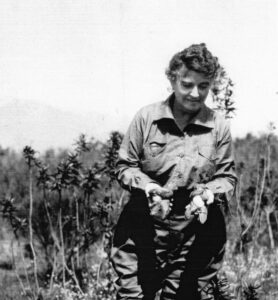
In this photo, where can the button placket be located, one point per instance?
(181, 155)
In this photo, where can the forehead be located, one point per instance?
(184, 74)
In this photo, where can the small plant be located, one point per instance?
(222, 289)
(68, 203)
(222, 92)
(250, 292)
(72, 206)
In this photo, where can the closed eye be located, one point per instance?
(203, 86)
(187, 85)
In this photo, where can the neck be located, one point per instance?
(180, 114)
(181, 117)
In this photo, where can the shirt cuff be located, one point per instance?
(217, 188)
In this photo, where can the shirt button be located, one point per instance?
(180, 175)
(181, 155)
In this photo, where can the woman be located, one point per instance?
(176, 160)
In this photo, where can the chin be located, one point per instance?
(191, 110)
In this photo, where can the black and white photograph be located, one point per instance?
(138, 150)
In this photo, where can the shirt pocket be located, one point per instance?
(206, 162)
(153, 161)
(154, 147)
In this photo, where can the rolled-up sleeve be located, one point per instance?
(128, 170)
(224, 179)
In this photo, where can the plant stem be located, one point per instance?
(62, 239)
(16, 270)
(52, 274)
(258, 197)
(77, 229)
(270, 232)
(24, 266)
(31, 228)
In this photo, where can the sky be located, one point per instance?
(110, 56)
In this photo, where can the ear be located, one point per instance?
(172, 82)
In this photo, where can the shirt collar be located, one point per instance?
(164, 110)
(205, 117)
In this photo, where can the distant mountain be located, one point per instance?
(42, 126)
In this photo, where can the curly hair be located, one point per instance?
(196, 58)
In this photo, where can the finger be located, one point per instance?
(155, 210)
(151, 188)
(203, 214)
(198, 201)
(199, 189)
(165, 193)
(209, 196)
(152, 205)
(171, 203)
(153, 191)
(188, 212)
(195, 193)
(165, 208)
(193, 208)
(156, 198)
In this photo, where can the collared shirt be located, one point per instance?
(154, 149)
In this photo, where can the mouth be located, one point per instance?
(193, 100)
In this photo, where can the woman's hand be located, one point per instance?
(155, 189)
(205, 193)
(159, 207)
(201, 198)
(160, 200)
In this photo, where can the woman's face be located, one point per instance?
(191, 90)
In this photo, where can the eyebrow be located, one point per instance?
(189, 81)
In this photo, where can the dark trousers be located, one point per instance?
(180, 257)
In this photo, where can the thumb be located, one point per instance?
(165, 193)
(209, 196)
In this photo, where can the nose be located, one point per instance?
(194, 92)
